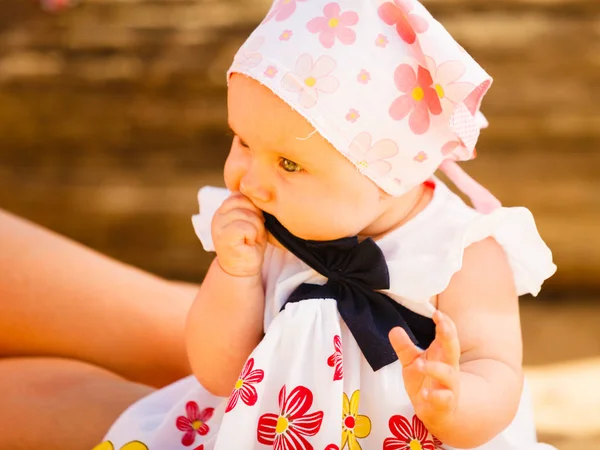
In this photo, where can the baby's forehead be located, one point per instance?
(259, 116)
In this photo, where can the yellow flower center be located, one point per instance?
(418, 93)
(334, 22)
(310, 81)
(440, 91)
(282, 425)
(362, 164)
(196, 424)
(415, 445)
(239, 383)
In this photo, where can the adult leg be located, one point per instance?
(58, 404)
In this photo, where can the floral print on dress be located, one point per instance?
(334, 24)
(445, 78)
(336, 360)
(421, 157)
(311, 78)
(249, 57)
(287, 430)
(438, 444)
(371, 158)
(133, 445)
(282, 10)
(408, 24)
(244, 388)
(354, 425)
(193, 423)
(420, 98)
(408, 436)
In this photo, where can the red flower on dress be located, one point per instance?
(335, 360)
(243, 387)
(419, 100)
(407, 436)
(194, 422)
(438, 444)
(200, 447)
(286, 430)
(408, 25)
(332, 447)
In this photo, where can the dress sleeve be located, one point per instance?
(210, 198)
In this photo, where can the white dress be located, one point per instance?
(307, 385)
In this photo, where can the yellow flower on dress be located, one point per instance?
(133, 445)
(354, 426)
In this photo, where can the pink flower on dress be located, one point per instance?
(353, 115)
(310, 79)
(335, 360)
(286, 35)
(408, 25)
(286, 430)
(282, 10)
(334, 24)
(193, 423)
(407, 436)
(248, 57)
(271, 71)
(243, 387)
(445, 78)
(419, 100)
(421, 157)
(363, 77)
(381, 41)
(371, 159)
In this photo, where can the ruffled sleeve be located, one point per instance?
(422, 266)
(210, 199)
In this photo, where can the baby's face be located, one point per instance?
(303, 181)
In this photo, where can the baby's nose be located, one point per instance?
(254, 187)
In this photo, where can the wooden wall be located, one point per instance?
(113, 114)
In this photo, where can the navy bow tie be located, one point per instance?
(355, 271)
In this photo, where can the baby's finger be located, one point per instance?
(446, 334)
(238, 200)
(222, 219)
(242, 232)
(405, 349)
(443, 373)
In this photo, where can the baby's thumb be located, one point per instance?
(405, 349)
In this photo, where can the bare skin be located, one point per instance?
(466, 387)
(64, 310)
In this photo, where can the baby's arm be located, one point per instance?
(471, 377)
(226, 320)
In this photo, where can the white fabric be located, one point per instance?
(299, 349)
(382, 81)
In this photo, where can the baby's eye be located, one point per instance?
(289, 165)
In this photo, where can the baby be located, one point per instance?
(355, 301)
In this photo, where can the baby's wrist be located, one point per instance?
(239, 273)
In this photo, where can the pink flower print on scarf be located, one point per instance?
(408, 25)
(419, 100)
(353, 115)
(334, 24)
(249, 57)
(286, 430)
(381, 41)
(445, 78)
(371, 159)
(310, 79)
(282, 10)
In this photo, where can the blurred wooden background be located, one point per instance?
(113, 114)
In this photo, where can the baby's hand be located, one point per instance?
(431, 377)
(239, 236)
